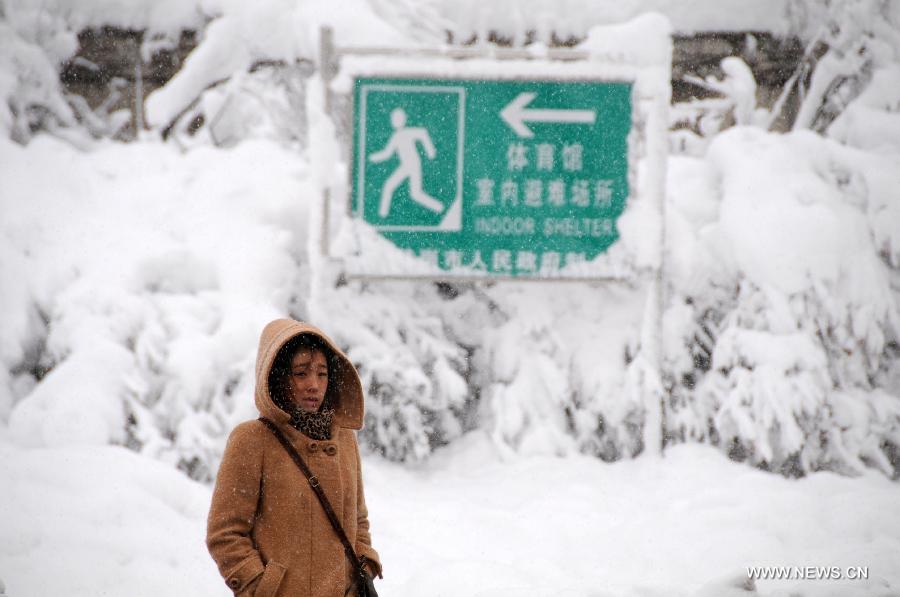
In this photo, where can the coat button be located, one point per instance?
(313, 447)
(234, 583)
(330, 450)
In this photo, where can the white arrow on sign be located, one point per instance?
(515, 114)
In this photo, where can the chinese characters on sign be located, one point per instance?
(511, 178)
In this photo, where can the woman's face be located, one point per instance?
(308, 379)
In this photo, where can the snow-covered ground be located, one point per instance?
(134, 279)
(89, 521)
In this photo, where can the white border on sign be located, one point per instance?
(361, 257)
(452, 221)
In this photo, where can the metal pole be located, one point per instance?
(661, 113)
(661, 286)
(138, 93)
(327, 71)
(327, 64)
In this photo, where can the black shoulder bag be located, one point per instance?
(365, 586)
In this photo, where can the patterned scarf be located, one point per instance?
(314, 425)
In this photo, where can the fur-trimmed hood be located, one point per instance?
(348, 410)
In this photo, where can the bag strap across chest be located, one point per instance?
(355, 562)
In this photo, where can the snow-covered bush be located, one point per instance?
(697, 121)
(848, 41)
(242, 36)
(264, 103)
(38, 38)
(783, 330)
(415, 370)
(787, 320)
(33, 42)
(140, 279)
(872, 122)
(555, 371)
(535, 367)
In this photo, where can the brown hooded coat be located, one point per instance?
(264, 520)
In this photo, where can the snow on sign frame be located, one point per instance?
(460, 165)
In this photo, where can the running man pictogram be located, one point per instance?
(403, 143)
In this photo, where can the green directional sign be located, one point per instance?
(507, 177)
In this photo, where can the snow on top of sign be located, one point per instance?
(642, 41)
(639, 50)
(474, 68)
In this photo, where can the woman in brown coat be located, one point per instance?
(267, 530)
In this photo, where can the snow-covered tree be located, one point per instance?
(415, 370)
(781, 332)
(33, 42)
(848, 40)
(783, 347)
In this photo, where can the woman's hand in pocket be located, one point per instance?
(250, 589)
